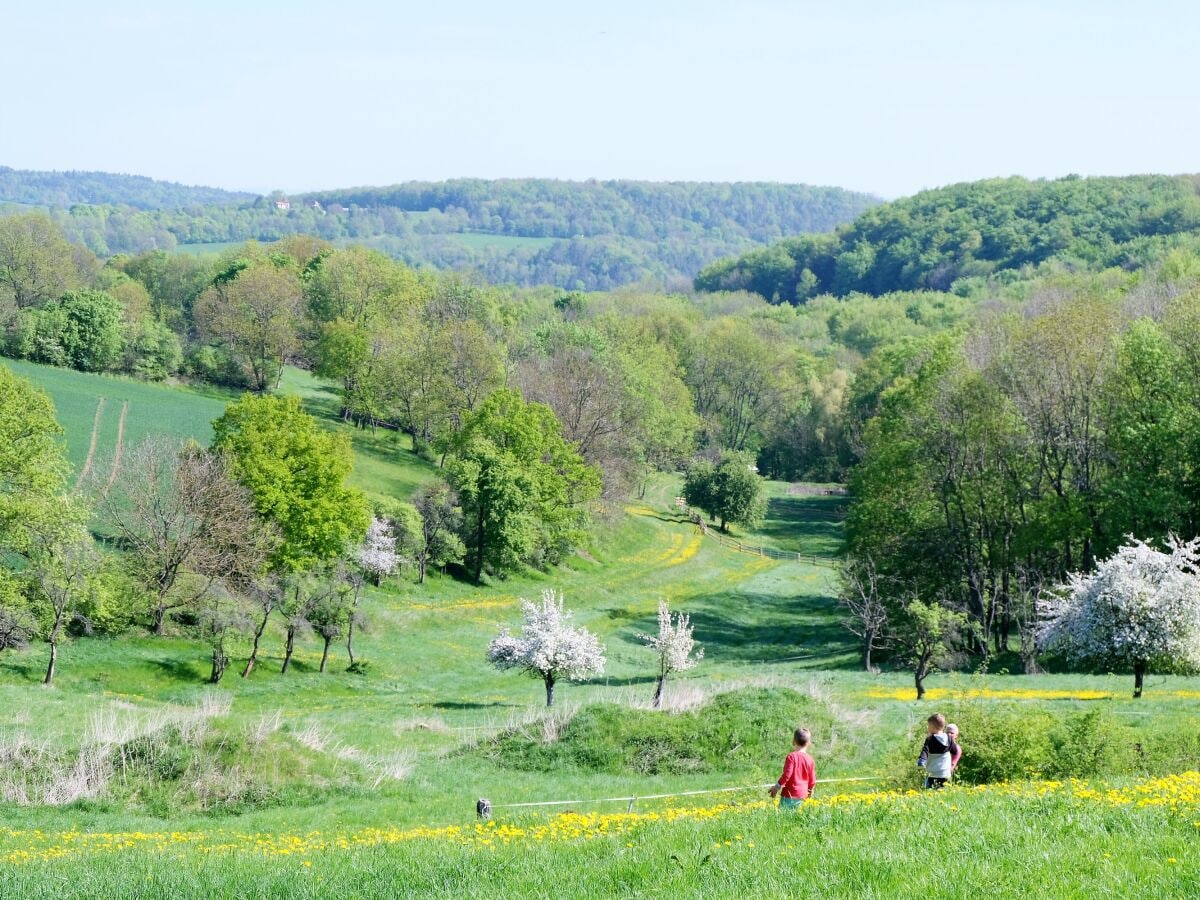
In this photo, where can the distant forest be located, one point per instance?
(955, 237)
(592, 235)
(65, 189)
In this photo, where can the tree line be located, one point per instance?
(596, 235)
(1032, 446)
(953, 238)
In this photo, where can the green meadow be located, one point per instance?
(131, 776)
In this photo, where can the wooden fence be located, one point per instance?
(759, 549)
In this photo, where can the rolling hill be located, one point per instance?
(975, 230)
(592, 235)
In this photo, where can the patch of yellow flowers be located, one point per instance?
(1177, 793)
(1014, 694)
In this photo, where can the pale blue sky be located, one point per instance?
(877, 96)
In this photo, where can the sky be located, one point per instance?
(885, 97)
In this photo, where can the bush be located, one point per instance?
(740, 730)
(115, 602)
(1016, 743)
(1001, 742)
(1165, 750)
(215, 366)
(1090, 744)
(153, 351)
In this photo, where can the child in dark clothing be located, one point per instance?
(937, 753)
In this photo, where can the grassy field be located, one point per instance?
(316, 784)
(503, 243)
(98, 413)
(1009, 843)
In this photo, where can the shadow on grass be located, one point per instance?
(469, 704)
(805, 524)
(735, 626)
(29, 671)
(184, 670)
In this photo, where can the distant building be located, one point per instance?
(283, 203)
(336, 208)
(314, 204)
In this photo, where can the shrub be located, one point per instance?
(1090, 744)
(742, 730)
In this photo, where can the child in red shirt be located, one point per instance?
(799, 773)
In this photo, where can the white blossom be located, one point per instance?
(377, 555)
(673, 644)
(1140, 608)
(548, 647)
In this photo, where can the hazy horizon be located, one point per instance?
(865, 96)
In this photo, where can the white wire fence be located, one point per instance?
(484, 807)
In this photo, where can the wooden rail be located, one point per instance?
(761, 550)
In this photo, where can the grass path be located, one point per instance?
(91, 453)
(120, 445)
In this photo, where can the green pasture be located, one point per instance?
(501, 243)
(933, 845)
(149, 409)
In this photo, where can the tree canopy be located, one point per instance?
(968, 231)
(522, 486)
(295, 472)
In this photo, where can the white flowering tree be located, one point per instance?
(1140, 609)
(548, 647)
(377, 555)
(674, 645)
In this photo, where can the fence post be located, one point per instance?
(632, 800)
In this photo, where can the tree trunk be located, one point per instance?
(262, 626)
(160, 619)
(49, 679)
(549, 691)
(220, 662)
(350, 640)
(325, 653)
(868, 642)
(919, 673)
(1139, 678)
(422, 561)
(291, 646)
(658, 692)
(1005, 612)
(479, 541)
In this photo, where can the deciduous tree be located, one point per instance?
(256, 316)
(1139, 609)
(522, 486)
(673, 645)
(730, 491)
(548, 646)
(296, 473)
(185, 524)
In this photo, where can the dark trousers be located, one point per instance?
(936, 784)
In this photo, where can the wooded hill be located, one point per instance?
(66, 189)
(591, 235)
(940, 238)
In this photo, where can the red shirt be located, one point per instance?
(799, 775)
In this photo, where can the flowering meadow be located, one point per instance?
(1061, 839)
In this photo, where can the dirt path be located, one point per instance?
(87, 463)
(116, 463)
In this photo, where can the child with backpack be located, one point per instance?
(937, 753)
